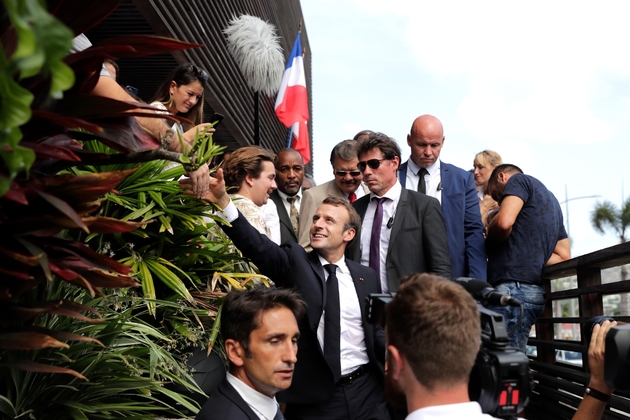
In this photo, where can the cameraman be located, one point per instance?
(595, 399)
(433, 336)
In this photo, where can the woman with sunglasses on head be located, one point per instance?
(181, 94)
(484, 164)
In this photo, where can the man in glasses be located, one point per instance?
(403, 231)
(347, 185)
(455, 190)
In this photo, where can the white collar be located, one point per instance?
(431, 169)
(259, 403)
(341, 264)
(393, 193)
(284, 196)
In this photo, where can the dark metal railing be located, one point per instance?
(560, 385)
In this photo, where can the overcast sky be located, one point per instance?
(546, 84)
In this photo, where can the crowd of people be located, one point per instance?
(379, 225)
(375, 224)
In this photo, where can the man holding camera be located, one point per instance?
(433, 378)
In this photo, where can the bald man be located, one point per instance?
(454, 188)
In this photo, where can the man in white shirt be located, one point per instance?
(455, 190)
(403, 231)
(260, 331)
(339, 373)
(433, 336)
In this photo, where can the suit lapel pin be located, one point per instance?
(361, 278)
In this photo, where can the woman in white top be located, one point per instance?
(181, 94)
(250, 175)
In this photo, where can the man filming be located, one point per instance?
(433, 336)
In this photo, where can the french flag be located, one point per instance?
(292, 102)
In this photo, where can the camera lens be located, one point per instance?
(587, 329)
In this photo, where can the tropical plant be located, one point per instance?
(40, 123)
(173, 245)
(607, 216)
(118, 368)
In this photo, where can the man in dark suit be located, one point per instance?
(454, 188)
(339, 370)
(403, 231)
(260, 332)
(288, 196)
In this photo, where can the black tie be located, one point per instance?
(278, 415)
(422, 185)
(332, 329)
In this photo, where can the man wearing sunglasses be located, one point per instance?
(403, 231)
(347, 185)
(454, 188)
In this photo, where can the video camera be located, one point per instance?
(500, 380)
(617, 354)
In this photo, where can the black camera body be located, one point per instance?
(500, 380)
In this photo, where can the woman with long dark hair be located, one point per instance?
(181, 94)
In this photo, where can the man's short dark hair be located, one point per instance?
(507, 168)
(242, 311)
(434, 323)
(346, 150)
(354, 220)
(361, 134)
(383, 142)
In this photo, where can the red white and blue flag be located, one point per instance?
(292, 102)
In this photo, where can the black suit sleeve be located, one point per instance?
(438, 258)
(270, 258)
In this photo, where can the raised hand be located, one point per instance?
(216, 194)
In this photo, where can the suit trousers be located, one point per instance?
(362, 399)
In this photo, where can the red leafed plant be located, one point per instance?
(45, 108)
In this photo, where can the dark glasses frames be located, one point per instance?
(344, 173)
(372, 163)
(199, 73)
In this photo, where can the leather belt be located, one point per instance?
(349, 377)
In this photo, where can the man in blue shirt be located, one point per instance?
(526, 234)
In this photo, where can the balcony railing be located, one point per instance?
(560, 385)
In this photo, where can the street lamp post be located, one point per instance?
(566, 207)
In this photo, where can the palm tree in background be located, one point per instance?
(608, 217)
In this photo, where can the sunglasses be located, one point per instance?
(372, 163)
(199, 73)
(342, 174)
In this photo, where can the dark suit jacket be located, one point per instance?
(291, 266)
(418, 243)
(226, 404)
(286, 228)
(460, 207)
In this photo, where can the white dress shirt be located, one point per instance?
(287, 205)
(263, 406)
(433, 179)
(389, 210)
(352, 347)
(272, 219)
(468, 410)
